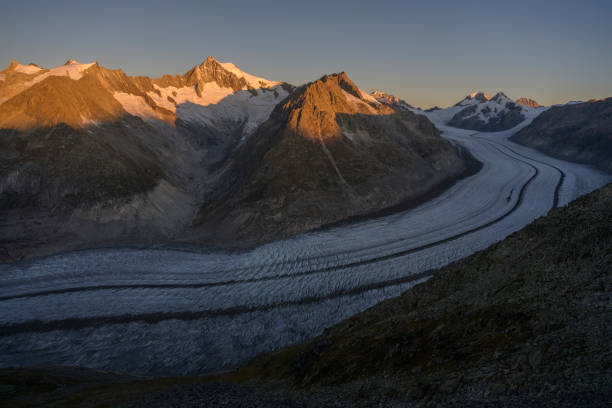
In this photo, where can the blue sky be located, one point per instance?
(427, 52)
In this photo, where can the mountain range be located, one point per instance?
(488, 114)
(91, 155)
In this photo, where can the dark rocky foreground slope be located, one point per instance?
(526, 322)
(579, 132)
(326, 153)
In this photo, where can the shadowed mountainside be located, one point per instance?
(64, 188)
(580, 132)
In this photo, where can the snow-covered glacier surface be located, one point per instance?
(187, 310)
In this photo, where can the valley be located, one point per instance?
(305, 204)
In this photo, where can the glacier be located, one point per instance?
(179, 309)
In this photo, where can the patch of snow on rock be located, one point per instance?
(135, 105)
(27, 69)
(73, 71)
(353, 100)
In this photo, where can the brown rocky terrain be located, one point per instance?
(524, 323)
(580, 132)
(326, 153)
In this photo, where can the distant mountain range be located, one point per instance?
(487, 114)
(90, 155)
(477, 111)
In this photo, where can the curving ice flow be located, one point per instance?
(185, 310)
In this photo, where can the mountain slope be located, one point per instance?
(580, 132)
(524, 323)
(326, 153)
(486, 114)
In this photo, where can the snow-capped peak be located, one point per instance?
(252, 80)
(212, 66)
(27, 69)
(490, 114)
(501, 98)
(392, 100)
(474, 98)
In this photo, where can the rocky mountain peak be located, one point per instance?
(474, 98)
(72, 62)
(212, 71)
(313, 109)
(528, 102)
(479, 96)
(349, 86)
(14, 64)
(500, 97)
(485, 114)
(209, 63)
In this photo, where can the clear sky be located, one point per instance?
(426, 52)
